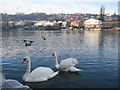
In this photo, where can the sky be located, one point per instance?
(58, 6)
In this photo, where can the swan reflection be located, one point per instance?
(60, 78)
(68, 76)
(40, 84)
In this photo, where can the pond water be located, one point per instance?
(96, 52)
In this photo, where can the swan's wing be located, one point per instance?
(37, 79)
(66, 63)
(74, 69)
(53, 74)
(40, 74)
(41, 71)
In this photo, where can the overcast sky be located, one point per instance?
(58, 6)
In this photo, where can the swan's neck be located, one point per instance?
(27, 70)
(56, 61)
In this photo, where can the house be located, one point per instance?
(39, 23)
(74, 24)
(45, 23)
(93, 24)
(77, 24)
(63, 23)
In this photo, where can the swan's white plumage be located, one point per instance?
(73, 69)
(66, 64)
(41, 71)
(39, 74)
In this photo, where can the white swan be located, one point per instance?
(66, 64)
(39, 74)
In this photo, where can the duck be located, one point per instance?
(39, 74)
(67, 65)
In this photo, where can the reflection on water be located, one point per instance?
(41, 84)
(68, 76)
(96, 51)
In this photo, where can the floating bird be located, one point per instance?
(28, 42)
(58, 34)
(66, 64)
(43, 38)
(39, 74)
(24, 40)
(31, 41)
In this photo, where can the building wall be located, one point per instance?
(110, 24)
(93, 26)
(74, 24)
(104, 25)
(77, 24)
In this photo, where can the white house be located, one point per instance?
(93, 24)
(45, 23)
(64, 23)
(39, 23)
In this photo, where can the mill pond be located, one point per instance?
(96, 52)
